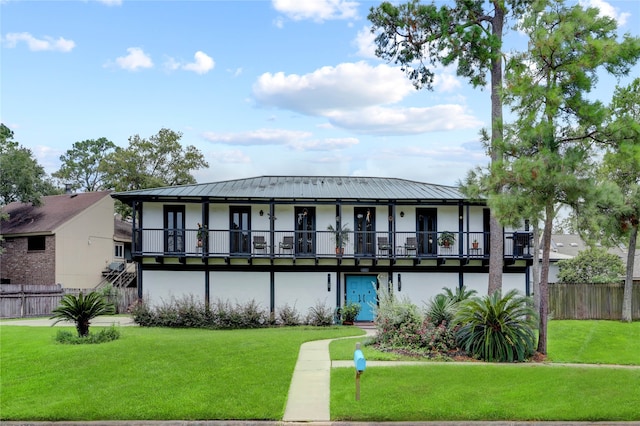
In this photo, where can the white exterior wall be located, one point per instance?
(240, 287)
(421, 287)
(84, 246)
(304, 290)
(162, 286)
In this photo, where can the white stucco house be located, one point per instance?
(269, 239)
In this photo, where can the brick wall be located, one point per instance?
(21, 266)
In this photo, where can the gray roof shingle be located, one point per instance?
(54, 211)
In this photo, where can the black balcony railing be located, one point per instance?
(260, 243)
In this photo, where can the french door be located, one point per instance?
(174, 229)
(240, 227)
(427, 227)
(365, 231)
(305, 230)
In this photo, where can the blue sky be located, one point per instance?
(262, 87)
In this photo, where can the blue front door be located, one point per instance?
(361, 289)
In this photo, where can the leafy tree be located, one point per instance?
(82, 310)
(468, 33)
(157, 161)
(81, 164)
(22, 178)
(496, 328)
(621, 169)
(591, 266)
(549, 144)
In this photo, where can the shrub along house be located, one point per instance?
(302, 241)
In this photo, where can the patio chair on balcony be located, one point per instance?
(259, 243)
(383, 246)
(410, 246)
(286, 244)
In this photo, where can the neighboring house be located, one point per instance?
(266, 239)
(568, 246)
(69, 240)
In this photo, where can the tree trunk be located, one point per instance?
(536, 267)
(544, 278)
(496, 258)
(628, 281)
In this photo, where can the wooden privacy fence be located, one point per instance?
(591, 301)
(31, 300)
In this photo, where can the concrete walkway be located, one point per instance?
(309, 392)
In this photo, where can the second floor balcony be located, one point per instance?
(323, 244)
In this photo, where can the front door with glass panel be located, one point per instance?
(240, 227)
(305, 231)
(361, 290)
(365, 226)
(174, 229)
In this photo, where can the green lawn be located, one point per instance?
(585, 342)
(151, 373)
(154, 374)
(447, 391)
(497, 391)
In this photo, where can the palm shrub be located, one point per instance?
(495, 328)
(441, 309)
(81, 310)
(460, 294)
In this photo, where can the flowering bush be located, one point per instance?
(401, 326)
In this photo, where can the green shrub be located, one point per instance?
(594, 266)
(441, 309)
(350, 312)
(252, 315)
(401, 327)
(495, 328)
(104, 335)
(320, 315)
(190, 312)
(460, 294)
(81, 310)
(142, 314)
(288, 316)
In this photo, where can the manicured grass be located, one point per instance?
(594, 342)
(447, 391)
(590, 342)
(151, 373)
(519, 392)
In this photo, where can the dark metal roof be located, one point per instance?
(301, 188)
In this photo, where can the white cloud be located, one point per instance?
(607, 9)
(232, 156)
(134, 60)
(257, 137)
(353, 96)
(405, 121)
(297, 140)
(202, 65)
(365, 43)
(171, 64)
(47, 43)
(329, 144)
(445, 82)
(346, 86)
(111, 2)
(316, 10)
